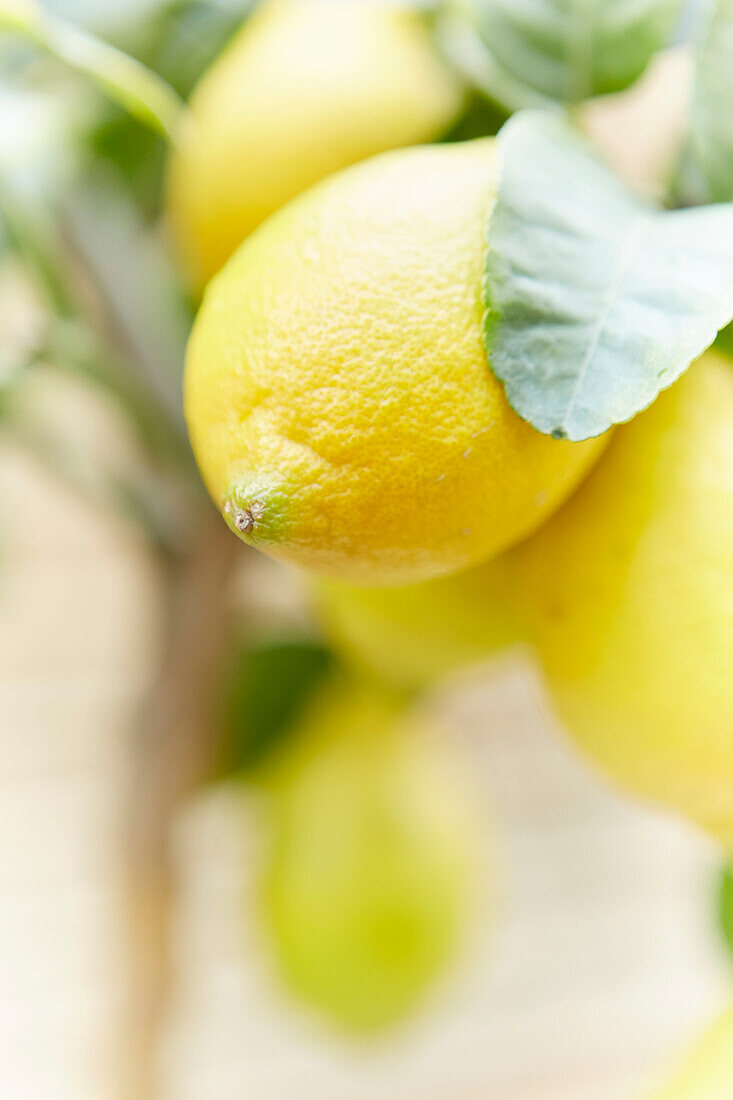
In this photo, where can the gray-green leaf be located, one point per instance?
(569, 51)
(595, 299)
(706, 171)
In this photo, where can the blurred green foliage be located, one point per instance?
(264, 691)
(725, 341)
(540, 52)
(726, 906)
(178, 40)
(706, 167)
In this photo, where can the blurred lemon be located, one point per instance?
(338, 395)
(411, 636)
(628, 593)
(707, 1074)
(305, 88)
(371, 881)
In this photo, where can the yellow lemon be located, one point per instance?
(338, 395)
(629, 596)
(411, 636)
(370, 884)
(707, 1073)
(305, 88)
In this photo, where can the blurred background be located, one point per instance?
(133, 963)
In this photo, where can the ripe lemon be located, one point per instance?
(305, 88)
(707, 1073)
(411, 636)
(338, 395)
(371, 881)
(629, 597)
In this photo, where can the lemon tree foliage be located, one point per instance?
(706, 173)
(726, 905)
(570, 51)
(178, 40)
(266, 688)
(139, 90)
(725, 341)
(596, 300)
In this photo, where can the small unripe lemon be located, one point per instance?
(411, 636)
(628, 595)
(339, 398)
(371, 881)
(305, 88)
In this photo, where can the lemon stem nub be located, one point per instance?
(244, 521)
(241, 519)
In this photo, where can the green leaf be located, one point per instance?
(724, 342)
(267, 687)
(595, 299)
(139, 90)
(183, 37)
(570, 51)
(462, 45)
(706, 170)
(178, 40)
(726, 905)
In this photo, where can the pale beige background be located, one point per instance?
(602, 954)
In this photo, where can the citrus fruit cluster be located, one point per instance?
(346, 420)
(625, 596)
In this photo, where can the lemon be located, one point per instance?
(411, 636)
(629, 597)
(370, 884)
(338, 395)
(306, 87)
(707, 1073)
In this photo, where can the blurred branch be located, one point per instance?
(150, 397)
(71, 346)
(178, 750)
(129, 83)
(142, 498)
(31, 235)
(136, 286)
